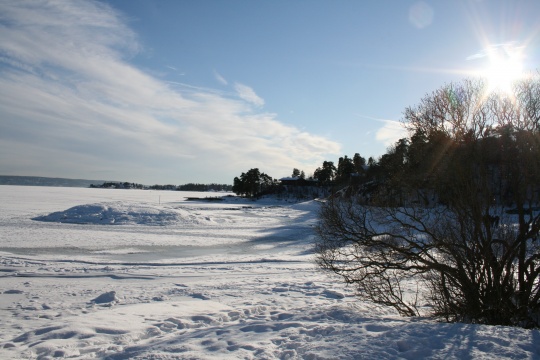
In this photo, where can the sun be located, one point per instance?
(504, 69)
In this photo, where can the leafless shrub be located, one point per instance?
(478, 263)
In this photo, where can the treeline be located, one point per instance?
(185, 187)
(204, 187)
(118, 185)
(326, 179)
(453, 132)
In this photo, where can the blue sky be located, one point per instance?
(200, 91)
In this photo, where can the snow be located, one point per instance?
(118, 213)
(131, 274)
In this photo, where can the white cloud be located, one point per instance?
(220, 78)
(248, 94)
(391, 132)
(511, 49)
(67, 91)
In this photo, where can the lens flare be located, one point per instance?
(421, 15)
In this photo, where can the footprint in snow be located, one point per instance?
(13, 292)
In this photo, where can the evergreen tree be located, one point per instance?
(359, 163)
(326, 173)
(253, 183)
(345, 169)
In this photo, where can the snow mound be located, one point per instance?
(108, 297)
(120, 213)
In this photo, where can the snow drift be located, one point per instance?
(120, 213)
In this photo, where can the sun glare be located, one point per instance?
(505, 68)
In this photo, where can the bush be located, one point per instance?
(477, 263)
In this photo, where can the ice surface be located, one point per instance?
(171, 279)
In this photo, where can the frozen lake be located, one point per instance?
(199, 228)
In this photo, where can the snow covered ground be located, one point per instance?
(130, 274)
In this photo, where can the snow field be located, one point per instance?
(195, 280)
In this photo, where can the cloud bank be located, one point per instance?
(73, 105)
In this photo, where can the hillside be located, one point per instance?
(46, 181)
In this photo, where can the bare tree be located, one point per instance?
(479, 260)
